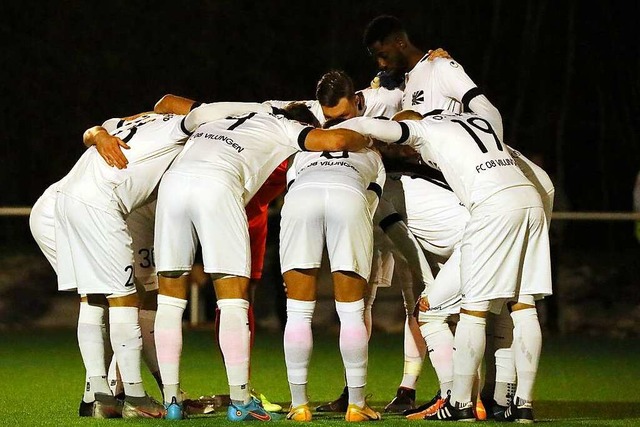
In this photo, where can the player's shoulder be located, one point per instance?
(446, 65)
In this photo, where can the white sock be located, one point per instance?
(91, 341)
(500, 332)
(168, 344)
(354, 345)
(368, 307)
(439, 341)
(126, 341)
(147, 319)
(469, 343)
(527, 345)
(234, 338)
(115, 379)
(298, 344)
(413, 360)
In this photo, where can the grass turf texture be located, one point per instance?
(581, 382)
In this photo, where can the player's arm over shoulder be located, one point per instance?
(333, 140)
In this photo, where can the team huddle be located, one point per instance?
(413, 167)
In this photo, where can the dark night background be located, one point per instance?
(564, 74)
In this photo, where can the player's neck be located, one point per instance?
(414, 55)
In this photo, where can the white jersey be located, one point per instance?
(243, 149)
(443, 84)
(379, 102)
(437, 84)
(466, 149)
(361, 170)
(155, 141)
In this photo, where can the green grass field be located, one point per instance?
(581, 382)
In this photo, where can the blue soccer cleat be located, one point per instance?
(252, 411)
(175, 410)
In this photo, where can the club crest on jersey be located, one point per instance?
(417, 97)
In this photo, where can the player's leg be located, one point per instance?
(73, 273)
(91, 329)
(500, 372)
(175, 245)
(141, 224)
(349, 240)
(298, 337)
(489, 263)
(95, 351)
(302, 239)
(443, 299)
(349, 288)
(393, 225)
(534, 282)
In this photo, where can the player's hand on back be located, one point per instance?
(110, 148)
(438, 53)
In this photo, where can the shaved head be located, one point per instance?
(407, 115)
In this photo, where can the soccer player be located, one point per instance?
(504, 248)
(91, 320)
(257, 217)
(203, 196)
(430, 82)
(93, 243)
(330, 202)
(440, 83)
(337, 99)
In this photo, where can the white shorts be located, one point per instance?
(42, 224)
(192, 207)
(337, 216)
(382, 268)
(94, 249)
(433, 214)
(141, 224)
(505, 254)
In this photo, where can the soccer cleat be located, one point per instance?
(356, 413)
(449, 412)
(142, 407)
(405, 400)
(86, 409)
(271, 407)
(106, 406)
(428, 411)
(174, 410)
(424, 406)
(252, 411)
(519, 411)
(204, 405)
(480, 411)
(338, 405)
(300, 413)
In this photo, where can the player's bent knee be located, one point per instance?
(172, 274)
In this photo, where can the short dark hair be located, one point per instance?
(380, 28)
(300, 112)
(334, 86)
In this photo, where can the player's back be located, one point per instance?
(154, 141)
(244, 148)
(342, 168)
(466, 149)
